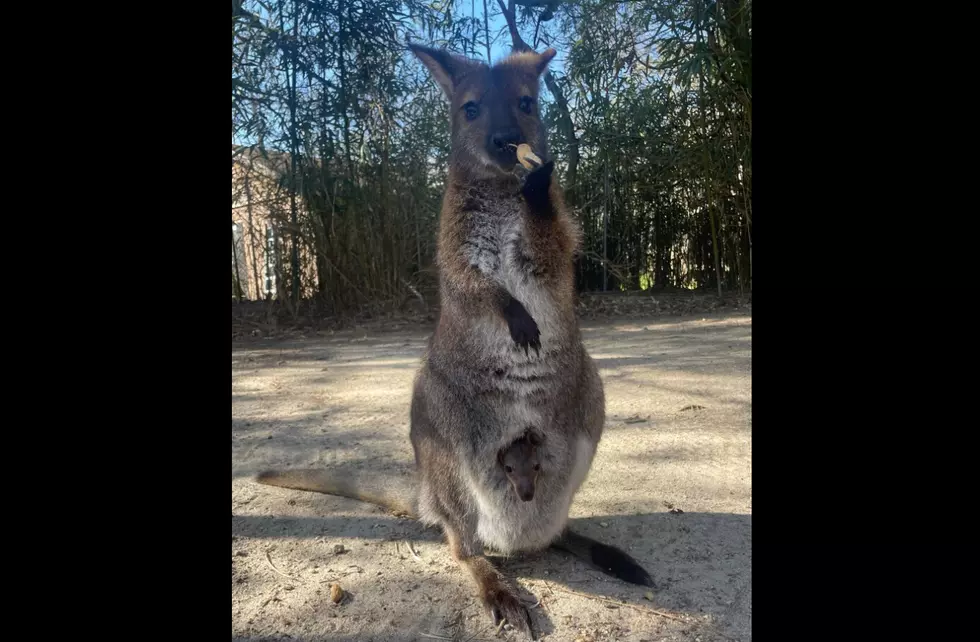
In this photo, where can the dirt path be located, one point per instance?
(678, 436)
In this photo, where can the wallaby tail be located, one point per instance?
(608, 559)
(396, 493)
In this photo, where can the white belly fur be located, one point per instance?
(508, 526)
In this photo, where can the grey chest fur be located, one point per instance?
(494, 242)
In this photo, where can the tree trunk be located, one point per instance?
(251, 235)
(236, 280)
(605, 228)
(294, 151)
(342, 70)
(476, 30)
(565, 118)
(486, 28)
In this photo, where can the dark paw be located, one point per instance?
(504, 605)
(615, 562)
(523, 329)
(535, 189)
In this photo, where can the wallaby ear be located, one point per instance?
(544, 58)
(445, 67)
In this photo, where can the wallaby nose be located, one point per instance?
(527, 494)
(503, 138)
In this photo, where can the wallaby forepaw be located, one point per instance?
(523, 328)
(539, 178)
(615, 562)
(535, 189)
(505, 606)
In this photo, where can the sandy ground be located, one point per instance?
(678, 437)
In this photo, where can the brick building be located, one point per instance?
(260, 217)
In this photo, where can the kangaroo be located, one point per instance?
(506, 352)
(521, 465)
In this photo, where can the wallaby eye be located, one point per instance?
(537, 466)
(526, 104)
(472, 110)
(508, 469)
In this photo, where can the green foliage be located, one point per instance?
(659, 95)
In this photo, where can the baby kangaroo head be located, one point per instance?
(522, 465)
(492, 109)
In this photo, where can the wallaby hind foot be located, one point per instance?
(499, 596)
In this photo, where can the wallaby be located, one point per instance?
(505, 256)
(521, 466)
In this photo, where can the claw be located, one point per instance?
(507, 611)
(523, 329)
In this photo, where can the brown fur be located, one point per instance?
(394, 494)
(506, 273)
(507, 352)
(522, 465)
(478, 188)
(494, 588)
